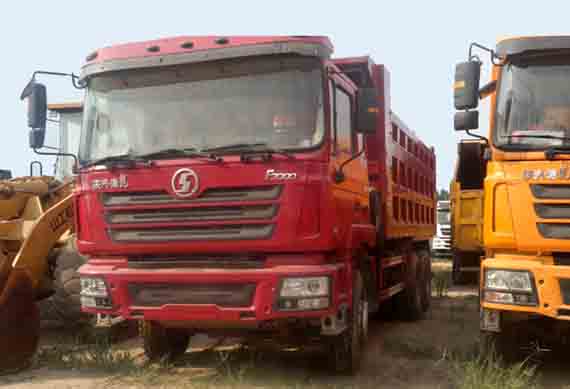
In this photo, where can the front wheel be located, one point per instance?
(346, 349)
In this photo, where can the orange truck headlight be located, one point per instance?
(514, 287)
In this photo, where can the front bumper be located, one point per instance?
(261, 308)
(553, 296)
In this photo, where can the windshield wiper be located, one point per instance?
(553, 151)
(250, 148)
(545, 136)
(128, 159)
(189, 152)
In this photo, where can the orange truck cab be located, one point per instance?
(525, 267)
(248, 185)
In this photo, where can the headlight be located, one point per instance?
(507, 280)
(304, 294)
(513, 287)
(305, 287)
(93, 287)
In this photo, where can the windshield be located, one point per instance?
(533, 104)
(443, 217)
(273, 101)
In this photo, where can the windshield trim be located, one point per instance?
(495, 139)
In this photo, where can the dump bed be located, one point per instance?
(401, 167)
(466, 218)
(466, 192)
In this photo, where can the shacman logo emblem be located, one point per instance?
(185, 182)
(562, 173)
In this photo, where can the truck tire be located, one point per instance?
(503, 346)
(409, 302)
(345, 352)
(457, 275)
(160, 342)
(426, 279)
(64, 306)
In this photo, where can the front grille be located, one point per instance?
(192, 214)
(225, 232)
(561, 259)
(209, 261)
(554, 192)
(552, 211)
(223, 295)
(213, 215)
(271, 192)
(565, 291)
(554, 231)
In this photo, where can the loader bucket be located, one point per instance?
(19, 319)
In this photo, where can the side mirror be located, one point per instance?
(37, 138)
(36, 96)
(466, 120)
(367, 111)
(5, 174)
(466, 86)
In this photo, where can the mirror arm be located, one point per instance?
(77, 83)
(59, 154)
(495, 59)
(468, 132)
(339, 174)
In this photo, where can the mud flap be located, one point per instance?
(19, 320)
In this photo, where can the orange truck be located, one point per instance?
(525, 162)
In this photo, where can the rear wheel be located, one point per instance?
(456, 274)
(426, 278)
(160, 342)
(410, 302)
(346, 349)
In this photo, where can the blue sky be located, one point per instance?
(420, 42)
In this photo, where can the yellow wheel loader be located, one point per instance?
(37, 262)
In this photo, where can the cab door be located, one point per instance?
(350, 177)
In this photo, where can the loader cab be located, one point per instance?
(68, 118)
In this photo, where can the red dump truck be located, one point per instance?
(251, 186)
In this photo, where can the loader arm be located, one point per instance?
(48, 229)
(20, 283)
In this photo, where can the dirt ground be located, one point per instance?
(398, 355)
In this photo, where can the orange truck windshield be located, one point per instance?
(533, 105)
(276, 102)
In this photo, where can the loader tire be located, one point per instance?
(160, 342)
(64, 306)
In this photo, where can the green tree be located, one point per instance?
(443, 195)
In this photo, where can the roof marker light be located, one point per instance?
(92, 56)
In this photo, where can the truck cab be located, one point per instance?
(248, 185)
(526, 240)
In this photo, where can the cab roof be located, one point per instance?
(518, 45)
(200, 48)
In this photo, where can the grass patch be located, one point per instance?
(96, 355)
(441, 282)
(476, 369)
